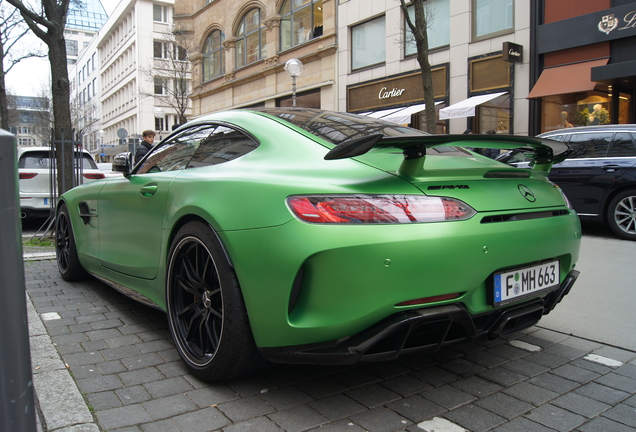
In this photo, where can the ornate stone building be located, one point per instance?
(239, 49)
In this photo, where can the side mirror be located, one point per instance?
(121, 163)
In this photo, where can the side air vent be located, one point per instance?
(523, 216)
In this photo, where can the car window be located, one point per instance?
(175, 153)
(557, 137)
(41, 159)
(223, 145)
(623, 145)
(590, 145)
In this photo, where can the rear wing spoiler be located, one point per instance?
(546, 152)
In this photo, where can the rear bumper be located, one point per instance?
(426, 329)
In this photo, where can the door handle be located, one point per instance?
(148, 190)
(610, 168)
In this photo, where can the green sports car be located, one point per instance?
(305, 236)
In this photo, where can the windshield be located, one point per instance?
(336, 127)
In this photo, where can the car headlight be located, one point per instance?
(378, 209)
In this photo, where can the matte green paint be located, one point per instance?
(348, 285)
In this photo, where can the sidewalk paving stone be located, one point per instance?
(119, 358)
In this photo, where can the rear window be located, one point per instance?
(41, 159)
(336, 127)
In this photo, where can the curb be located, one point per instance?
(61, 404)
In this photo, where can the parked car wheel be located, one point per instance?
(65, 248)
(622, 214)
(206, 312)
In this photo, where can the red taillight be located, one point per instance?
(24, 176)
(378, 209)
(425, 300)
(92, 176)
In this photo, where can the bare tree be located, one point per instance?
(12, 30)
(48, 25)
(169, 73)
(418, 30)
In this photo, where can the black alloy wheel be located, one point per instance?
(206, 312)
(65, 247)
(622, 214)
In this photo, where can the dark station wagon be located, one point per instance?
(599, 176)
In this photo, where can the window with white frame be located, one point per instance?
(159, 13)
(300, 21)
(492, 18)
(159, 85)
(437, 14)
(71, 47)
(250, 39)
(213, 56)
(368, 43)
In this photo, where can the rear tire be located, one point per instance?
(206, 312)
(65, 248)
(621, 214)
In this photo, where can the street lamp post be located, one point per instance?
(294, 68)
(160, 114)
(101, 145)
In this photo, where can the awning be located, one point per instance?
(400, 115)
(571, 78)
(466, 108)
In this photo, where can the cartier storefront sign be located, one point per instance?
(512, 52)
(400, 90)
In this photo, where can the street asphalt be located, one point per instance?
(102, 362)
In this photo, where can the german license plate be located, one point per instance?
(514, 285)
(46, 201)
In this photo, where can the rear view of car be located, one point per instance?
(35, 167)
(307, 236)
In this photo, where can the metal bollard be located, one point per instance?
(17, 401)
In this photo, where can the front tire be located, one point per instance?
(206, 313)
(66, 249)
(621, 214)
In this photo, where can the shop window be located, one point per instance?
(582, 109)
(250, 39)
(213, 56)
(494, 116)
(492, 18)
(301, 21)
(368, 43)
(438, 26)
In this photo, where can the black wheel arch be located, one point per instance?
(195, 218)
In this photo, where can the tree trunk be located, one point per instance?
(4, 110)
(418, 29)
(61, 112)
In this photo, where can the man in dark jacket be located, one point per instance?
(145, 145)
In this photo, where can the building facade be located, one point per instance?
(84, 100)
(129, 78)
(584, 63)
(477, 85)
(30, 120)
(241, 48)
(83, 21)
